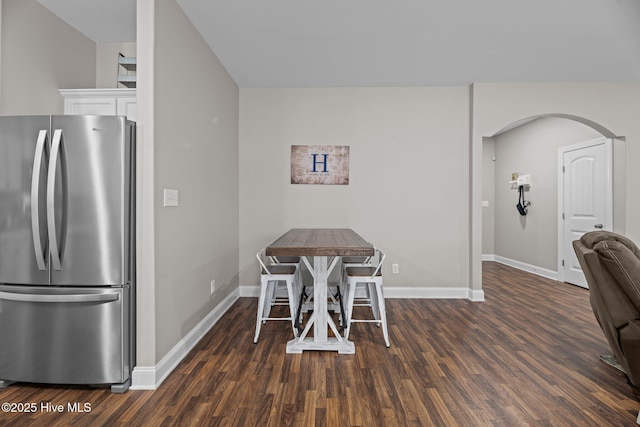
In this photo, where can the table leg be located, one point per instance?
(320, 295)
(320, 318)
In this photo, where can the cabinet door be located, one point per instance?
(127, 107)
(97, 106)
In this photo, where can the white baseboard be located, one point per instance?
(433, 293)
(476, 295)
(150, 377)
(544, 272)
(402, 292)
(249, 291)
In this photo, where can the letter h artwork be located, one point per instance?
(320, 164)
(323, 162)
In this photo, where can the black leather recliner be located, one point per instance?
(611, 264)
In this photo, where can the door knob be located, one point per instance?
(598, 226)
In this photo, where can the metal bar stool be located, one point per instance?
(372, 277)
(270, 277)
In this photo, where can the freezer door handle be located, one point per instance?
(105, 297)
(56, 152)
(35, 191)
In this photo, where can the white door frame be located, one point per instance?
(608, 199)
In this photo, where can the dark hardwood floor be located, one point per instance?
(526, 356)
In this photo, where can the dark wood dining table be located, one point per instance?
(325, 246)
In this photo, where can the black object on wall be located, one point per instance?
(522, 204)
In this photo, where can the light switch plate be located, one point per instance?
(170, 197)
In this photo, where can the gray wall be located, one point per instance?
(188, 135)
(41, 54)
(408, 189)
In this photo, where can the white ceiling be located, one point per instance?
(298, 43)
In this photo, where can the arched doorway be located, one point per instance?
(478, 198)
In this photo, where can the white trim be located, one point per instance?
(476, 295)
(488, 257)
(150, 377)
(97, 93)
(402, 292)
(143, 378)
(249, 291)
(433, 293)
(544, 272)
(146, 252)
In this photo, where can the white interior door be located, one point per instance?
(585, 200)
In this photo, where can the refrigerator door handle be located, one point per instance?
(35, 192)
(54, 248)
(105, 297)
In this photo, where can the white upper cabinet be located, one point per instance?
(109, 102)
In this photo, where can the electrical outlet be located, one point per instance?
(395, 269)
(213, 286)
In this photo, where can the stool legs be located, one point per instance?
(377, 307)
(266, 298)
(351, 286)
(293, 305)
(261, 306)
(382, 313)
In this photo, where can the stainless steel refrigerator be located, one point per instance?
(67, 250)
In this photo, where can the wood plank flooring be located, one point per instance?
(528, 356)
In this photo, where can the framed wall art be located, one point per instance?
(320, 164)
